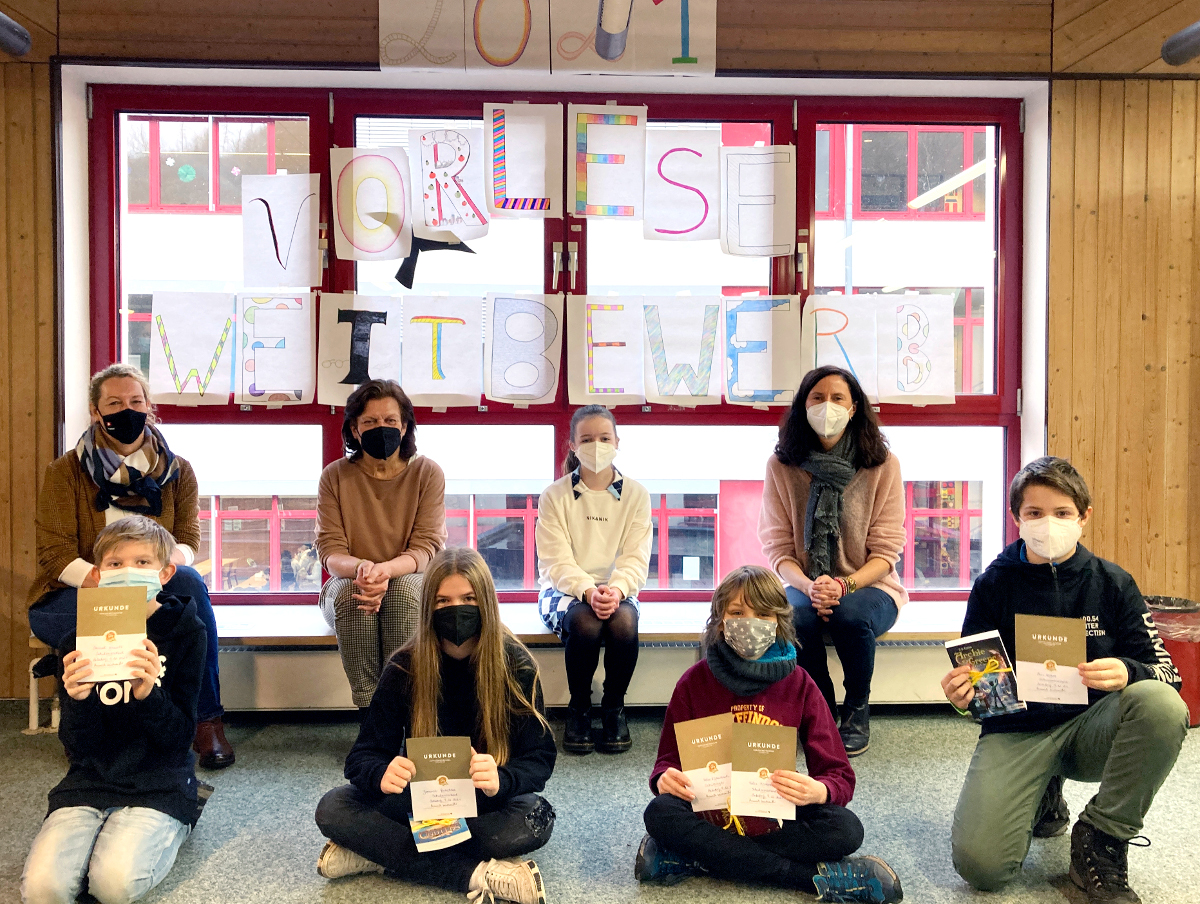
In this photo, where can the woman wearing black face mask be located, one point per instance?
(122, 465)
(381, 517)
(462, 674)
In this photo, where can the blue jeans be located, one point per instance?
(856, 621)
(122, 853)
(52, 619)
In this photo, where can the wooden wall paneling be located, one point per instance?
(1062, 210)
(8, 601)
(1084, 430)
(1117, 36)
(1191, 528)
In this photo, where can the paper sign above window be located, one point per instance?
(371, 207)
(523, 148)
(608, 147)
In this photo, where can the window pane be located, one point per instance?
(978, 188)
(245, 555)
(135, 146)
(936, 544)
(299, 566)
(243, 153)
(822, 170)
(501, 542)
(291, 145)
(204, 555)
(691, 546)
(884, 182)
(457, 531)
(652, 581)
(939, 157)
(183, 149)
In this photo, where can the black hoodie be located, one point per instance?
(126, 752)
(1084, 586)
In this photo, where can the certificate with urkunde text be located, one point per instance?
(706, 758)
(758, 751)
(1048, 651)
(442, 787)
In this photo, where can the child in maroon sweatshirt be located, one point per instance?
(749, 669)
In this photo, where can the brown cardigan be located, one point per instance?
(872, 520)
(67, 520)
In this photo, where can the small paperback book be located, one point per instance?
(110, 624)
(435, 834)
(758, 751)
(1049, 650)
(442, 787)
(706, 758)
(991, 673)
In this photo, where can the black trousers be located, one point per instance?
(377, 828)
(788, 857)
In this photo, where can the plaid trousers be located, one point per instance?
(367, 641)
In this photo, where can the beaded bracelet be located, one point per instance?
(842, 583)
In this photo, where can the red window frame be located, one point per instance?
(996, 409)
(837, 172)
(963, 512)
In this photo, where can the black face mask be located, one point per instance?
(380, 442)
(456, 624)
(124, 426)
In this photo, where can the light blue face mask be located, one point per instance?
(133, 577)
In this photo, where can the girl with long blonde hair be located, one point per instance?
(462, 674)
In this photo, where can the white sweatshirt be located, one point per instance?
(590, 537)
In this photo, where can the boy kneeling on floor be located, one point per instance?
(1127, 736)
(128, 801)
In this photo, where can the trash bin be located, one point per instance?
(1178, 623)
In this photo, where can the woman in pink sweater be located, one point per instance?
(832, 527)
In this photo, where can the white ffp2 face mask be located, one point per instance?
(596, 456)
(828, 418)
(1052, 538)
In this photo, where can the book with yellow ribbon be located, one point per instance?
(991, 673)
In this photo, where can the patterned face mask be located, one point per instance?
(750, 637)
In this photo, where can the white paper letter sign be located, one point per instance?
(681, 364)
(421, 34)
(359, 341)
(523, 166)
(605, 350)
(508, 34)
(449, 192)
(278, 349)
(372, 216)
(841, 330)
(191, 347)
(762, 350)
(675, 37)
(522, 348)
(683, 185)
(279, 231)
(609, 147)
(916, 349)
(443, 350)
(758, 200)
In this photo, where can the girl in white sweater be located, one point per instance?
(593, 543)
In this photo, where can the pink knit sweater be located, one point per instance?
(872, 521)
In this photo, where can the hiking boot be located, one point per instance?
(336, 861)
(1055, 815)
(577, 738)
(657, 864)
(866, 879)
(519, 881)
(1100, 865)
(855, 729)
(615, 738)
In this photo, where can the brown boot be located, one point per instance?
(214, 751)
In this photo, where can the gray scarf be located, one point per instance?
(831, 471)
(745, 677)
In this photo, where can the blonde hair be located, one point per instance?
(761, 591)
(116, 371)
(498, 694)
(135, 529)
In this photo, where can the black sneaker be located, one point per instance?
(656, 864)
(855, 729)
(867, 879)
(1054, 816)
(577, 738)
(615, 738)
(1100, 865)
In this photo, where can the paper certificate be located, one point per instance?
(110, 624)
(442, 787)
(1048, 651)
(705, 757)
(759, 750)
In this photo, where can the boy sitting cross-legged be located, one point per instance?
(128, 801)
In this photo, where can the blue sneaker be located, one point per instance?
(866, 879)
(657, 864)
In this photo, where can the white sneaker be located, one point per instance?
(336, 861)
(519, 881)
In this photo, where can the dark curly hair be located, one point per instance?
(357, 404)
(797, 438)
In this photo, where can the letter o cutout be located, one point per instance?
(501, 61)
(370, 239)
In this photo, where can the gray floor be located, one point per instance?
(257, 841)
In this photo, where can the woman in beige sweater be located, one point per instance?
(381, 516)
(832, 527)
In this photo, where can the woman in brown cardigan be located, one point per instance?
(381, 516)
(120, 466)
(832, 527)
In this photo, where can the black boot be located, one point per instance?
(1100, 865)
(1053, 813)
(616, 730)
(577, 738)
(855, 729)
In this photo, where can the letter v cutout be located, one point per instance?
(283, 260)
